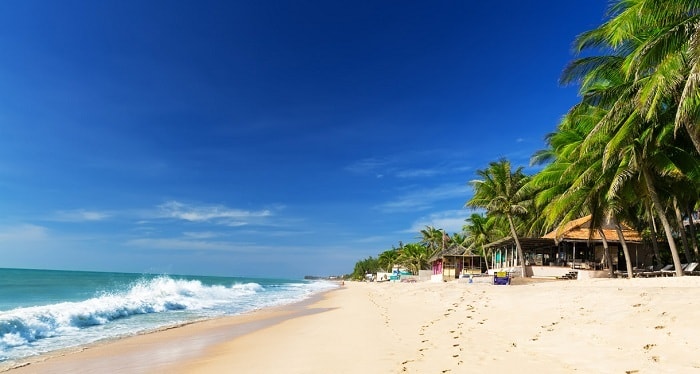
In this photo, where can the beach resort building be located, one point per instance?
(573, 246)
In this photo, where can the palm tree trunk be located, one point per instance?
(608, 258)
(664, 221)
(681, 228)
(625, 250)
(691, 225)
(485, 258)
(517, 245)
(654, 235)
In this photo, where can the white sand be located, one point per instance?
(585, 326)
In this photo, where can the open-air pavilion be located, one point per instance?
(581, 247)
(573, 246)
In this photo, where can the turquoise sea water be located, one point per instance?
(45, 310)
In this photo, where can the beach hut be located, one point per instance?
(456, 261)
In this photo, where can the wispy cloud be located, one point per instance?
(450, 220)
(210, 213)
(24, 232)
(368, 165)
(424, 164)
(418, 173)
(201, 235)
(424, 198)
(182, 244)
(79, 215)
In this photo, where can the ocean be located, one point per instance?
(46, 310)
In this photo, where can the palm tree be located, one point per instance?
(500, 193)
(388, 259)
(434, 239)
(481, 230)
(576, 183)
(659, 41)
(632, 140)
(415, 257)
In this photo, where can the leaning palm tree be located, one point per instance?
(500, 193)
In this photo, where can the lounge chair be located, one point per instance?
(690, 269)
(671, 272)
(657, 272)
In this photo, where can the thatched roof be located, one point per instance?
(452, 250)
(580, 230)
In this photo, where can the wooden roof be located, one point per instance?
(580, 230)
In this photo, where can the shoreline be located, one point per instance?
(599, 325)
(161, 342)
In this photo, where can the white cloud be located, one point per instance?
(422, 199)
(25, 232)
(418, 173)
(219, 213)
(450, 220)
(201, 235)
(181, 244)
(79, 215)
(373, 239)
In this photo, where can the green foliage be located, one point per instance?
(630, 149)
(369, 265)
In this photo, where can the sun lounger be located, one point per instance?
(671, 272)
(690, 269)
(657, 272)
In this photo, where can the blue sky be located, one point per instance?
(263, 138)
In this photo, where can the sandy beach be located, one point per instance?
(585, 326)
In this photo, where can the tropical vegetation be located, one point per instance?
(628, 151)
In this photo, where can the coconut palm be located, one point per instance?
(434, 239)
(632, 141)
(415, 257)
(481, 230)
(388, 259)
(500, 193)
(659, 41)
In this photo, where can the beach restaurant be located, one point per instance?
(572, 246)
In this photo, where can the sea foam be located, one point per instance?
(111, 313)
